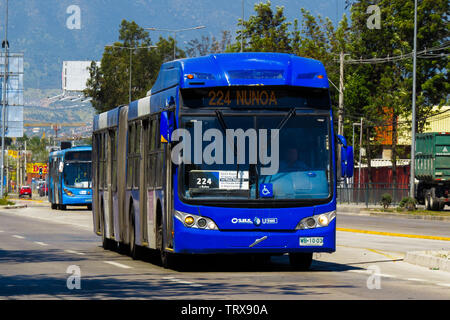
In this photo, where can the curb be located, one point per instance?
(368, 212)
(427, 259)
(16, 206)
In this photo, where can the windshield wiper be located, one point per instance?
(287, 118)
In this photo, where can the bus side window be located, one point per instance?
(151, 154)
(130, 151)
(137, 154)
(159, 175)
(100, 160)
(114, 160)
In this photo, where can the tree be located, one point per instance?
(108, 85)
(266, 31)
(207, 45)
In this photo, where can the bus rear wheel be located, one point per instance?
(300, 261)
(134, 249)
(167, 258)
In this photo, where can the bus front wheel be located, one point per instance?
(300, 261)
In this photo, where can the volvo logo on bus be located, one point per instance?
(257, 221)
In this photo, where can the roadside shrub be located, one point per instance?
(386, 200)
(408, 204)
(6, 202)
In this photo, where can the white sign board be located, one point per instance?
(75, 74)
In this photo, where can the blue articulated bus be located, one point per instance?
(227, 154)
(69, 177)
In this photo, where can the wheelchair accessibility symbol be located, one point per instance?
(266, 190)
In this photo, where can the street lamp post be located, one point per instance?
(131, 61)
(175, 35)
(413, 133)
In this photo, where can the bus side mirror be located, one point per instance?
(346, 162)
(166, 126)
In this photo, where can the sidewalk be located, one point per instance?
(373, 210)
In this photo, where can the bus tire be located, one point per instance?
(106, 243)
(89, 207)
(134, 249)
(62, 207)
(300, 261)
(53, 205)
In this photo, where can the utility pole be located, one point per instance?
(413, 134)
(25, 166)
(360, 153)
(4, 101)
(341, 95)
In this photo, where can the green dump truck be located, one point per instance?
(432, 170)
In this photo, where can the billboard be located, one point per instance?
(37, 168)
(75, 74)
(14, 93)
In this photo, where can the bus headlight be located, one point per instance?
(317, 221)
(68, 192)
(193, 221)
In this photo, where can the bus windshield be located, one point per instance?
(78, 175)
(294, 163)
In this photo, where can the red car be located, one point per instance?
(25, 191)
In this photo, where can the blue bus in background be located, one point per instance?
(69, 177)
(275, 199)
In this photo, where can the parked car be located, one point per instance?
(43, 190)
(25, 191)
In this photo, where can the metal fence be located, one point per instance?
(371, 193)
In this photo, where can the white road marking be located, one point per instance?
(1, 231)
(443, 284)
(18, 237)
(192, 284)
(74, 252)
(41, 243)
(386, 275)
(117, 264)
(415, 279)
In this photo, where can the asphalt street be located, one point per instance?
(39, 249)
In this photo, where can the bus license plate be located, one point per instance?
(83, 192)
(316, 241)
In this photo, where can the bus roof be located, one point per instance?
(231, 69)
(77, 148)
(221, 70)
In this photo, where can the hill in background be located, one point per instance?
(40, 28)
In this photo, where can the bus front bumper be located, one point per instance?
(77, 200)
(200, 241)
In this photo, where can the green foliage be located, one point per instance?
(108, 85)
(6, 202)
(408, 203)
(386, 200)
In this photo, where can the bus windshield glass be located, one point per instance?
(243, 157)
(77, 169)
